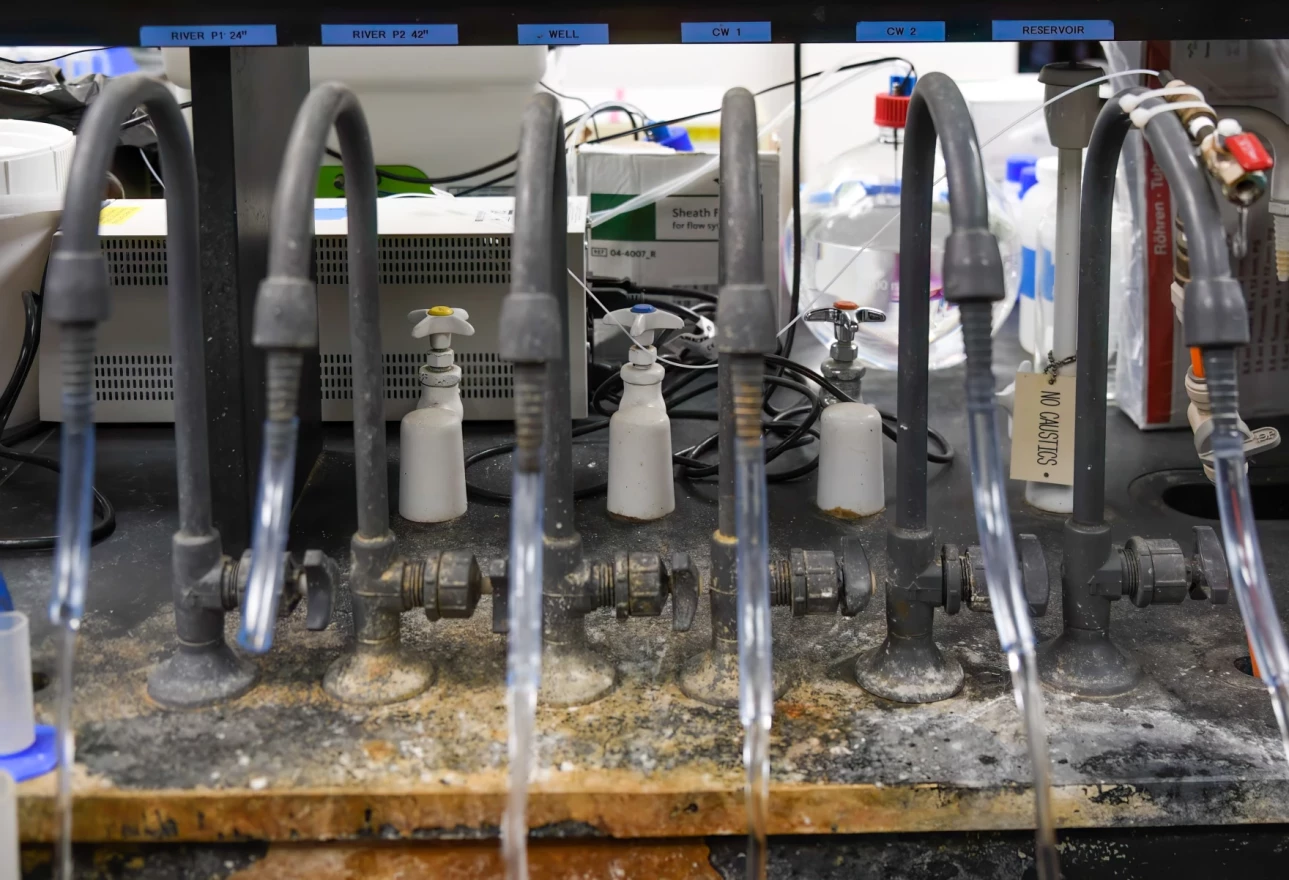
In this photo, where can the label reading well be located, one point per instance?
(899, 32)
(1054, 29)
(562, 34)
(389, 35)
(725, 32)
(208, 35)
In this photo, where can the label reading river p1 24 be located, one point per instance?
(166, 36)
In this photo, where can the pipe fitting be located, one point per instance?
(450, 584)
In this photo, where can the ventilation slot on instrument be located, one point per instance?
(422, 259)
(135, 262)
(484, 375)
(123, 377)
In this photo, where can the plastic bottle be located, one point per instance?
(851, 247)
(1013, 184)
(431, 473)
(1036, 204)
(640, 471)
(850, 432)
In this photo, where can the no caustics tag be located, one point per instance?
(1043, 429)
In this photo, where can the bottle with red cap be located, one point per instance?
(851, 240)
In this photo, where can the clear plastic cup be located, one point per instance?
(17, 717)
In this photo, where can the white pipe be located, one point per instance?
(1065, 308)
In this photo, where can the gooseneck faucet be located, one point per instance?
(382, 583)
(908, 666)
(810, 581)
(973, 280)
(1083, 660)
(535, 337)
(203, 669)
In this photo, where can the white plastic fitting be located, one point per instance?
(851, 481)
(640, 471)
(431, 473)
(1200, 417)
(17, 716)
(9, 861)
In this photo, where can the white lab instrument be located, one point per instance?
(431, 472)
(640, 471)
(1038, 202)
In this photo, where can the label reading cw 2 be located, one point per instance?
(725, 32)
(899, 32)
(208, 35)
(1043, 429)
(389, 35)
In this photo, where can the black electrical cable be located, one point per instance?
(628, 286)
(56, 57)
(143, 117)
(105, 523)
(765, 91)
(487, 183)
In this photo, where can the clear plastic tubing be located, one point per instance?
(523, 661)
(1011, 611)
(756, 686)
(1243, 550)
(268, 536)
(1141, 71)
(71, 556)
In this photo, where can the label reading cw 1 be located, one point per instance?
(899, 32)
(1043, 29)
(389, 35)
(562, 34)
(725, 32)
(209, 35)
(1043, 429)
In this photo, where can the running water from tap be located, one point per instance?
(523, 662)
(71, 558)
(756, 686)
(268, 540)
(1011, 610)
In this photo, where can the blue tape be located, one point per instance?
(562, 34)
(725, 31)
(389, 35)
(1054, 29)
(208, 35)
(899, 32)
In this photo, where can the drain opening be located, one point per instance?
(1245, 664)
(1199, 499)
(39, 681)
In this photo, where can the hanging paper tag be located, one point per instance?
(1043, 429)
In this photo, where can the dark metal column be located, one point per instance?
(244, 101)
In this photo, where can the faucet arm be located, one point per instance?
(77, 286)
(286, 309)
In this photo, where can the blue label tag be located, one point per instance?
(562, 34)
(899, 32)
(389, 35)
(1027, 261)
(1054, 29)
(725, 32)
(208, 35)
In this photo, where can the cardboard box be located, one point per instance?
(674, 242)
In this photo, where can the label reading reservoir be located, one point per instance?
(899, 32)
(562, 34)
(725, 32)
(389, 35)
(1060, 29)
(209, 35)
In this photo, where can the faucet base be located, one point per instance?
(377, 678)
(1085, 663)
(712, 678)
(201, 676)
(909, 670)
(574, 675)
